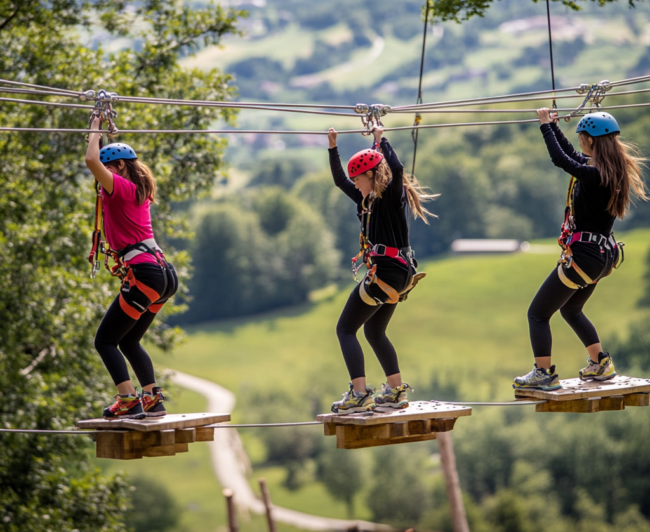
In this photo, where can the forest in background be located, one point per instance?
(50, 375)
(493, 181)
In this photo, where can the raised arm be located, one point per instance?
(340, 179)
(582, 172)
(396, 167)
(101, 173)
(566, 146)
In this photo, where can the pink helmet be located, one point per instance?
(363, 161)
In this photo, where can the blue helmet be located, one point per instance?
(598, 124)
(115, 152)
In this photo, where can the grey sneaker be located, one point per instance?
(538, 379)
(602, 370)
(392, 398)
(355, 402)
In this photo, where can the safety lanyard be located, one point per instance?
(569, 215)
(101, 245)
(364, 241)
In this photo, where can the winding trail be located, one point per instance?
(231, 464)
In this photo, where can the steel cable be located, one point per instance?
(54, 89)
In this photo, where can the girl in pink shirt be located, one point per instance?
(128, 188)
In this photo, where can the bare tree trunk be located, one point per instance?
(448, 459)
(267, 503)
(232, 514)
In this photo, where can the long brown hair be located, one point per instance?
(416, 194)
(619, 164)
(142, 177)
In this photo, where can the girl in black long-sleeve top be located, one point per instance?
(382, 194)
(604, 176)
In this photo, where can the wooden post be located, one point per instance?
(458, 516)
(267, 503)
(232, 515)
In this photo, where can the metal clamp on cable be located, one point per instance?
(594, 93)
(371, 115)
(87, 96)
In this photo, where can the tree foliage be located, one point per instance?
(459, 10)
(50, 375)
(262, 251)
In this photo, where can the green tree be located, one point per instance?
(460, 10)
(343, 475)
(259, 252)
(397, 496)
(152, 507)
(50, 375)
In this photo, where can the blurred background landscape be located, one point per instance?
(463, 333)
(265, 246)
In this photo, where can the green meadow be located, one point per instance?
(465, 324)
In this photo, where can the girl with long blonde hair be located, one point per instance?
(383, 195)
(604, 177)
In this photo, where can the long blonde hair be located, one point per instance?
(619, 164)
(416, 194)
(142, 177)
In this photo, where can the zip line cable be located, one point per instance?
(415, 133)
(274, 132)
(265, 425)
(427, 111)
(21, 84)
(550, 48)
(242, 105)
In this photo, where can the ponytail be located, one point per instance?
(142, 177)
(416, 194)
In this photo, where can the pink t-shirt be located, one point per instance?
(125, 221)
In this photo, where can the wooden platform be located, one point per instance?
(130, 439)
(587, 397)
(420, 421)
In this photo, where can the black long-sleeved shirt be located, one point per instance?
(388, 223)
(590, 198)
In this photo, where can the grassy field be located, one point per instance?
(468, 317)
(465, 323)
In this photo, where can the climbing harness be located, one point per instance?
(405, 256)
(613, 251)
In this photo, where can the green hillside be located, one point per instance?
(464, 326)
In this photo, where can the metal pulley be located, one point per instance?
(371, 115)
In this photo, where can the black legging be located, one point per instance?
(118, 329)
(552, 296)
(375, 320)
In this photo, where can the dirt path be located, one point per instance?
(231, 464)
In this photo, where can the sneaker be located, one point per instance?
(126, 407)
(392, 397)
(599, 371)
(152, 402)
(538, 379)
(355, 402)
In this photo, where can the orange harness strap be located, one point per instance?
(151, 294)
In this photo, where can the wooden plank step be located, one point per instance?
(170, 421)
(416, 410)
(574, 389)
(420, 421)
